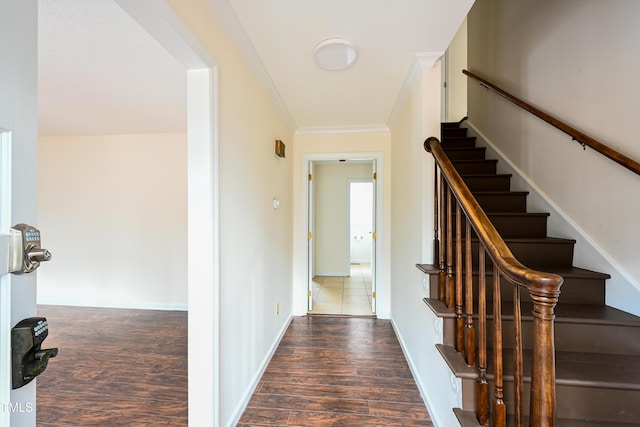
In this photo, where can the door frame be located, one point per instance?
(301, 297)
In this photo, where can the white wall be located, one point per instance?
(115, 213)
(319, 146)
(412, 242)
(547, 53)
(18, 115)
(255, 239)
(331, 217)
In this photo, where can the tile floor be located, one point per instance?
(344, 295)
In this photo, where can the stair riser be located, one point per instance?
(514, 227)
(573, 402)
(574, 337)
(508, 202)
(574, 290)
(449, 132)
(476, 167)
(488, 182)
(538, 255)
(465, 154)
(461, 142)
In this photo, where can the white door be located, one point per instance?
(19, 130)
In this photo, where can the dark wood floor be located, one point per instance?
(337, 371)
(114, 368)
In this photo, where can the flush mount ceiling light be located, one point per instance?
(335, 54)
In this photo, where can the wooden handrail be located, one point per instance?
(496, 248)
(575, 134)
(544, 289)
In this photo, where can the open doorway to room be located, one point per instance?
(342, 237)
(133, 194)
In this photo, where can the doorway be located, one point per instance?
(200, 195)
(341, 278)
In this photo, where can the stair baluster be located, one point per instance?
(442, 277)
(499, 407)
(450, 281)
(459, 299)
(470, 333)
(482, 403)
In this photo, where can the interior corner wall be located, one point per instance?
(547, 53)
(255, 239)
(113, 212)
(412, 243)
(331, 215)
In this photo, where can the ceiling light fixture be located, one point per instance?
(335, 54)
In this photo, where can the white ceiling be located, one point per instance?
(99, 72)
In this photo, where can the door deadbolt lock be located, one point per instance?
(25, 253)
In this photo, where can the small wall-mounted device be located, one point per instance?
(279, 147)
(25, 254)
(28, 360)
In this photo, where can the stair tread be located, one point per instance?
(499, 193)
(522, 214)
(468, 419)
(564, 313)
(566, 272)
(572, 368)
(484, 175)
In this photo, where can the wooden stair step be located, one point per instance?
(468, 419)
(458, 142)
(603, 387)
(485, 182)
(484, 166)
(520, 224)
(581, 286)
(576, 327)
(537, 253)
(476, 153)
(502, 201)
(451, 131)
(516, 224)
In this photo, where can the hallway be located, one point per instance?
(330, 371)
(344, 295)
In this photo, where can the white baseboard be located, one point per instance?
(242, 405)
(164, 307)
(433, 413)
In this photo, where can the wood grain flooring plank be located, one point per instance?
(338, 371)
(115, 367)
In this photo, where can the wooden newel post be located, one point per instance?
(543, 375)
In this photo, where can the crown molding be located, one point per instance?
(422, 62)
(325, 130)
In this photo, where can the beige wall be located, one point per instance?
(456, 81)
(115, 213)
(412, 242)
(548, 53)
(331, 215)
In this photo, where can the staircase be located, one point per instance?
(597, 347)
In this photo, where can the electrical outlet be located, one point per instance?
(277, 308)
